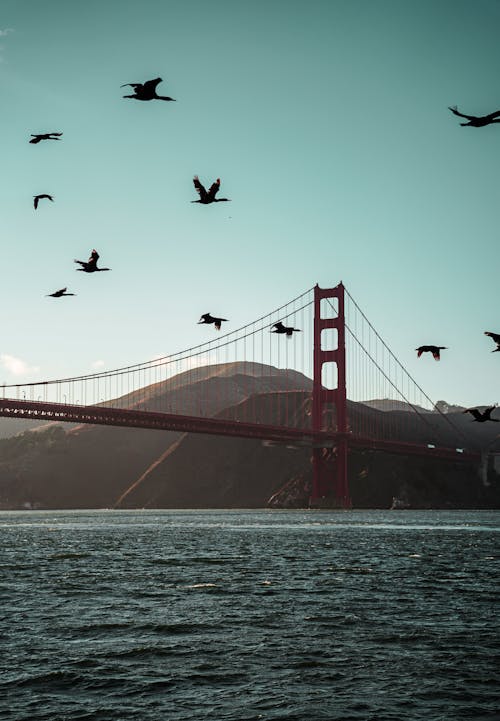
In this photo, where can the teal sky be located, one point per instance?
(327, 122)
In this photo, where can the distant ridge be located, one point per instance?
(387, 404)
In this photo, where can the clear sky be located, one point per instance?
(327, 122)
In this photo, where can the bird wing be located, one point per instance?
(494, 336)
(419, 352)
(36, 138)
(150, 85)
(454, 110)
(496, 114)
(200, 188)
(83, 263)
(94, 256)
(206, 317)
(279, 326)
(62, 290)
(131, 85)
(436, 355)
(214, 189)
(58, 134)
(474, 412)
(218, 322)
(35, 201)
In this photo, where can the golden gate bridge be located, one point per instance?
(325, 388)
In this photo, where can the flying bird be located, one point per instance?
(37, 198)
(146, 91)
(206, 198)
(280, 328)
(434, 349)
(484, 416)
(59, 293)
(495, 337)
(207, 318)
(477, 121)
(90, 266)
(44, 136)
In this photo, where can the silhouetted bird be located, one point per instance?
(477, 121)
(59, 293)
(206, 198)
(484, 416)
(90, 266)
(37, 198)
(495, 337)
(146, 91)
(280, 328)
(434, 349)
(207, 318)
(45, 136)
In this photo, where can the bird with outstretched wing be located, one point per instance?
(495, 337)
(44, 136)
(208, 318)
(59, 293)
(90, 266)
(208, 197)
(146, 90)
(37, 198)
(477, 121)
(484, 416)
(283, 329)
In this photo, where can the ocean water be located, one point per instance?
(243, 615)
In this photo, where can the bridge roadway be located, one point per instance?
(102, 415)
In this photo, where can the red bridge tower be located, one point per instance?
(329, 407)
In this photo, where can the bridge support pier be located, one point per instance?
(329, 407)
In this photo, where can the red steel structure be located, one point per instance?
(330, 405)
(326, 430)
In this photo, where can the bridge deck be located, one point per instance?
(102, 415)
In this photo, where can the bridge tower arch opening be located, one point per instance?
(329, 405)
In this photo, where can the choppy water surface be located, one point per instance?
(179, 615)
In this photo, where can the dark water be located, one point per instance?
(249, 615)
